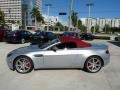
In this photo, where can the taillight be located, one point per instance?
(107, 51)
(93, 37)
(42, 37)
(14, 35)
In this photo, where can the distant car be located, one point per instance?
(3, 33)
(117, 38)
(18, 36)
(50, 36)
(38, 37)
(65, 52)
(87, 36)
(117, 33)
(42, 37)
(73, 34)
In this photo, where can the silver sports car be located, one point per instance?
(65, 52)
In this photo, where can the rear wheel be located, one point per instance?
(93, 64)
(116, 39)
(23, 65)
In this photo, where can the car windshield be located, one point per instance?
(48, 43)
(37, 33)
(13, 32)
(69, 33)
(40, 33)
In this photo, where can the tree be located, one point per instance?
(65, 28)
(12, 21)
(74, 18)
(2, 20)
(18, 22)
(106, 29)
(81, 27)
(59, 25)
(95, 29)
(35, 13)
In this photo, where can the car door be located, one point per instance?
(29, 35)
(61, 58)
(26, 35)
(22, 34)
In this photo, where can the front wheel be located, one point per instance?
(93, 64)
(23, 65)
(22, 41)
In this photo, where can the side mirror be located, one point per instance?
(54, 49)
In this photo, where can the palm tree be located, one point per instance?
(35, 13)
(2, 20)
(74, 18)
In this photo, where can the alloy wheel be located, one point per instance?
(23, 41)
(23, 65)
(93, 64)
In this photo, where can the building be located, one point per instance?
(101, 22)
(49, 21)
(52, 20)
(19, 11)
(12, 10)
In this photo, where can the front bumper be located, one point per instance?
(10, 61)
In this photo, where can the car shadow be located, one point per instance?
(12, 43)
(80, 69)
(59, 69)
(117, 43)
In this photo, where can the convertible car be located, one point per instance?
(64, 52)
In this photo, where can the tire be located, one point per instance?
(93, 64)
(22, 41)
(23, 65)
(116, 39)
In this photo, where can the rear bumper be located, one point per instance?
(14, 40)
(1, 39)
(106, 59)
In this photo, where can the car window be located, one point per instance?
(21, 32)
(61, 46)
(71, 45)
(45, 45)
(29, 33)
(68, 45)
(25, 32)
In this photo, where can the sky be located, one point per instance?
(101, 8)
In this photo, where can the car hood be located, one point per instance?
(27, 49)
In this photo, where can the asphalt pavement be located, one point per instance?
(63, 79)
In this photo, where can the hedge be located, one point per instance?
(103, 37)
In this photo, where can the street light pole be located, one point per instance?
(26, 20)
(70, 19)
(9, 10)
(77, 19)
(89, 5)
(48, 12)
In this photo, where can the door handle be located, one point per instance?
(38, 55)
